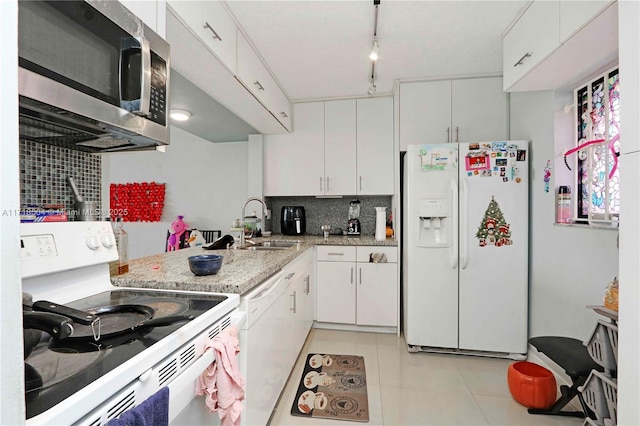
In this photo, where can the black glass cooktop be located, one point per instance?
(56, 369)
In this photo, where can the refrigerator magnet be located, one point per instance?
(499, 146)
(501, 162)
(522, 155)
(477, 161)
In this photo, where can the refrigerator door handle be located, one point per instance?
(464, 201)
(453, 255)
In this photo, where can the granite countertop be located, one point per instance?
(241, 269)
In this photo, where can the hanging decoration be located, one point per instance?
(547, 176)
(494, 230)
(137, 202)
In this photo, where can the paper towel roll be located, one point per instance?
(381, 224)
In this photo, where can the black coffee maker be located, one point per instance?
(353, 225)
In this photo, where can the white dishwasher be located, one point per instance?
(263, 356)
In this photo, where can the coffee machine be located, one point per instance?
(353, 225)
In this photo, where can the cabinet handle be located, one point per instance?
(288, 277)
(352, 275)
(283, 114)
(457, 135)
(327, 178)
(320, 183)
(293, 309)
(257, 83)
(448, 135)
(307, 279)
(521, 61)
(360, 277)
(335, 254)
(215, 34)
(360, 182)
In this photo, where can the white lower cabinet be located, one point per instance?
(299, 312)
(353, 290)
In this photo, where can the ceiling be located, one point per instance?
(318, 49)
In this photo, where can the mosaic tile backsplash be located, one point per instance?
(332, 211)
(44, 170)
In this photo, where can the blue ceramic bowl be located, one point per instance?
(205, 264)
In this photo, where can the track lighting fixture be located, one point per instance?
(374, 50)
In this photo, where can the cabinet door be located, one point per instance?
(307, 156)
(425, 113)
(278, 169)
(531, 39)
(575, 14)
(377, 294)
(479, 110)
(336, 292)
(152, 13)
(251, 72)
(340, 147)
(211, 22)
(303, 310)
(375, 146)
(279, 105)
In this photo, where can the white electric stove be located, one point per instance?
(93, 376)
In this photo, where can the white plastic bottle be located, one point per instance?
(122, 244)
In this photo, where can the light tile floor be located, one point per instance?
(418, 388)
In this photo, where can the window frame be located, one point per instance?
(586, 165)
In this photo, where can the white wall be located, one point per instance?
(569, 266)
(629, 324)
(12, 404)
(206, 182)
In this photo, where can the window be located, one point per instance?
(597, 148)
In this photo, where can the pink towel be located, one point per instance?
(221, 381)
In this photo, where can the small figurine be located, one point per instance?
(178, 227)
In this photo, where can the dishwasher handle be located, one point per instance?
(268, 288)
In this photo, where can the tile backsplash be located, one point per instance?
(332, 211)
(44, 170)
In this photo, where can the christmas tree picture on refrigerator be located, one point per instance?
(494, 230)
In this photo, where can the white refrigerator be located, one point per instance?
(465, 248)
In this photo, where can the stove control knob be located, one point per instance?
(93, 242)
(108, 241)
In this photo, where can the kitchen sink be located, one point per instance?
(271, 245)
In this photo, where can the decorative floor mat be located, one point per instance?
(332, 387)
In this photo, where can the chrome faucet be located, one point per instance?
(242, 237)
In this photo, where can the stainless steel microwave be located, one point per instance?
(92, 76)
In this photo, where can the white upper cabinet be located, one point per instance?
(449, 111)
(255, 76)
(280, 106)
(575, 14)
(532, 38)
(559, 44)
(153, 13)
(479, 110)
(425, 113)
(211, 22)
(251, 71)
(374, 146)
(293, 164)
(340, 147)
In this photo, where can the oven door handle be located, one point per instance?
(182, 388)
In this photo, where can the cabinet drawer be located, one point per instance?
(364, 252)
(211, 22)
(336, 253)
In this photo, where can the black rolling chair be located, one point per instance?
(572, 355)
